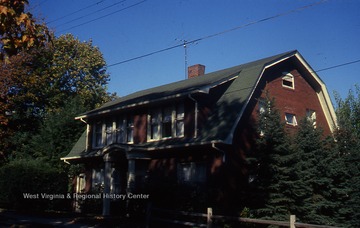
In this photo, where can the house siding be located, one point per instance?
(294, 101)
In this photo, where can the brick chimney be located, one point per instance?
(196, 70)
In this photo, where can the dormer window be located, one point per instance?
(288, 80)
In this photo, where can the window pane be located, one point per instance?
(120, 131)
(288, 80)
(109, 133)
(155, 131)
(130, 129)
(180, 128)
(311, 116)
(290, 119)
(166, 129)
(179, 121)
(155, 124)
(97, 135)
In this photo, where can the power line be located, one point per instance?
(219, 33)
(339, 65)
(106, 15)
(91, 13)
(77, 11)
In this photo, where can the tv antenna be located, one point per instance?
(186, 63)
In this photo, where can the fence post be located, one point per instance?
(292, 221)
(209, 217)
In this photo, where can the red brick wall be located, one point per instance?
(295, 101)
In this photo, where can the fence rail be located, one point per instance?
(153, 215)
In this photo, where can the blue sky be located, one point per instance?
(326, 33)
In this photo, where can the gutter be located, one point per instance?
(213, 145)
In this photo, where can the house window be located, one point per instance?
(191, 172)
(98, 135)
(290, 119)
(130, 129)
(155, 119)
(288, 80)
(109, 132)
(311, 116)
(262, 106)
(166, 122)
(120, 131)
(179, 120)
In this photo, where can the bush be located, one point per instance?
(45, 183)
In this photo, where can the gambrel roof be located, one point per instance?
(239, 83)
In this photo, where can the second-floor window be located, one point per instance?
(290, 119)
(130, 129)
(311, 116)
(166, 122)
(98, 134)
(109, 132)
(119, 130)
(288, 80)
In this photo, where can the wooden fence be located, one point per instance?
(183, 218)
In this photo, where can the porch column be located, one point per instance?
(107, 180)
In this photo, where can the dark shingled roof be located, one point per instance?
(220, 126)
(247, 78)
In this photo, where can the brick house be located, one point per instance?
(197, 130)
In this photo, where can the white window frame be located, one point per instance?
(130, 129)
(311, 116)
(109, 131)
(154, 123)
(120, 130)
(179, 120)
(288, 80)
(290, 119)
(158, 119)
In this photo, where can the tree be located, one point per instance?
(76, 69)
(48, 78)
(311, 180)
(348, 142)
(273, 165)
(57, 134)
(19, 31)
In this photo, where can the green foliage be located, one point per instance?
(348, 142)
(303, 174)
(56, 135)
(43, 84)
(18, 29)
(273, 164)
(77, 68)
(35, 177)
(311, 180)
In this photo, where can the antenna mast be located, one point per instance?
(186, 63)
